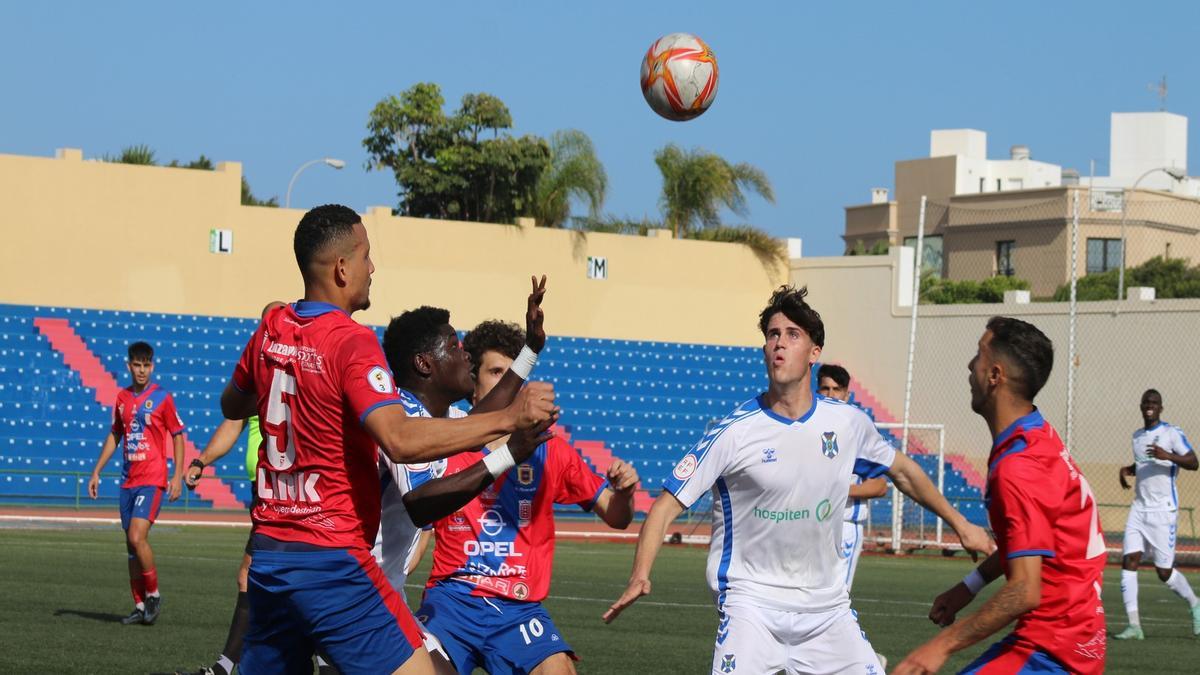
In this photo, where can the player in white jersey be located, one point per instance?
(833, 381)
(779, 467)
(1159, 451)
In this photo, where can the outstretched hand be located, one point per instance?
(636, 589)
(976, 540)
(535, 333)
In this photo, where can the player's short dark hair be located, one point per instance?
(1022, 345)
(836, 373)
(141, 351)
(1152, 391)
(412, 333)
(493, 335)
(319, 228)
(790, 301)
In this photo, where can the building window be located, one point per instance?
(1004, 258)
(931, 254)
(1103, 255)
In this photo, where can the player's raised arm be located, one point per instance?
(615, 504)
(912, 481)
(665, 510)
(535, 340)
(407, 439)
(438, 498)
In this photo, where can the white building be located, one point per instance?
(1141, 143)
(974, 173)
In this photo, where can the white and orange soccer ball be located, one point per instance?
(679, 76)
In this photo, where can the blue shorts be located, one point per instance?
(305, 599)
(142, 502)
(1012, 656)
(496, 634)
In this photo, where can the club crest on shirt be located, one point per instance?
(380, 380)
(525, 474)
(150, 405)
(829, 446)
(728, 663)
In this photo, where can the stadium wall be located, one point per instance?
(116, 236)
(1122, 350)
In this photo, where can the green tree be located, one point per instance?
(574, 173)
(697, 184)
(140, 154)
(445, 166)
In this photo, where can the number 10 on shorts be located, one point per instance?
(535, 629)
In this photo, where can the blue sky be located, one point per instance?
(822, 96)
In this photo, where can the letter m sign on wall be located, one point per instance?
(597, 268)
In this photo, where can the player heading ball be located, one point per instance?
(779, 586)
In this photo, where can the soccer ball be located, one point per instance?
(679, 76)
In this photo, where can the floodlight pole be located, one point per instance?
(1170, 171)
(328, 161)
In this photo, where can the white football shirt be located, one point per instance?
(779, 490)
(397, 538)
(1155, 489)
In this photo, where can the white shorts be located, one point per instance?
(852, 545)
(758, 641)
(1154, 530)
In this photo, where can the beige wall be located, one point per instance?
(1040, 254)
(870, 223)
(932, 178)
(1120, 354)
(92, 234)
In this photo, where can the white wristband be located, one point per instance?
(974, 582)
(499, 461)
(524, 363)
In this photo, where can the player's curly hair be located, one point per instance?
(790, 301)
(319, 228)
(493, 335)
(140, 351)
(412, 333)
(1025, 348)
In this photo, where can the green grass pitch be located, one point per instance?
(63, 590)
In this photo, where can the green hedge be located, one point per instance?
(1170, 279)
(946, 292)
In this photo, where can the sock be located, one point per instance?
(138, 588)
(1177, 583)
(150, 581)
(224, 665)
(1129, 592)
(237, 630)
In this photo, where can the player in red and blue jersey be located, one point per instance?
(144, 423)
(326, 403)
(493, 557)
(1043, 512)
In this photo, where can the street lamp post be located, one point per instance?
(1171, 171)
(329, 161)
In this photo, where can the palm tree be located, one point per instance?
(697, 183)
(574, 173)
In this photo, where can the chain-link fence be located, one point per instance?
(1016, 254)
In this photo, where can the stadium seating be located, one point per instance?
(643, 401)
